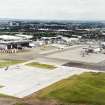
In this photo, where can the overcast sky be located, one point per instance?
(53, 9)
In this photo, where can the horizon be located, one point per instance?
(49, 20)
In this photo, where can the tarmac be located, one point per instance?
(20, 81)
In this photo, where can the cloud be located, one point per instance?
(53, 9)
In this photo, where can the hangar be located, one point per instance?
(13, 42)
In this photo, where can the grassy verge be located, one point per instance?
(1, 86)
(86, 89)
(39, 65)
(9, 62)
(21, 104)
(6, 96)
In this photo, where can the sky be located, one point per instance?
(53, 9)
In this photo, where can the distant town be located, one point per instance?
(86, 29)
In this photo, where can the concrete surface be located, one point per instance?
(21, 81)
(75, 55)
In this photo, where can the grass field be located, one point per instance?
(4, 63)
(86, 89)
(40, 65)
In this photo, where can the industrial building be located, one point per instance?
(14, 42)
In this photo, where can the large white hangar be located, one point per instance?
(11, 42)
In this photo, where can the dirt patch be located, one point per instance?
(8, 101)
(36, 101)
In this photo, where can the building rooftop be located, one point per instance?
(9, 37)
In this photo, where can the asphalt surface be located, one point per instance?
(97, 66)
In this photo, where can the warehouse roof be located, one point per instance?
(10, 37)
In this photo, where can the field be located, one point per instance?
(5, 63)
(40, 65)
(86, 89)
